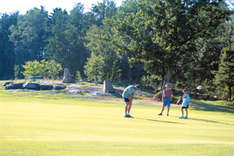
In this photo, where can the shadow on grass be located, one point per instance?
(171, 122)
(212, 108)
(210, 121)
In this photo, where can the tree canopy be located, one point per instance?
(185, 42)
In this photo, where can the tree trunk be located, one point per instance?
(168, 76)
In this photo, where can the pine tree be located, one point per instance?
(224, 78)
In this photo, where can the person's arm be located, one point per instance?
(163, 94)
(130, 96)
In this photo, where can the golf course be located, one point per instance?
(41, 124)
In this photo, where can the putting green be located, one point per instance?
(59, 125)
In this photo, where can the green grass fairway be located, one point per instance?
(60, 125)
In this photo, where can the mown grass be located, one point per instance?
(34, 124)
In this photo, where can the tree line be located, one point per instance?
(184, 42)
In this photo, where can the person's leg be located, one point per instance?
(163, 105)
(162, 109)
(182, 112)
(129, 107)
(186, 110)
(126, 108)
(127, 102)
(168, 109)
(168, 106)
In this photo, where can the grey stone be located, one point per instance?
(14, 86)
(46, 87)
(31, 85)
(7, 83)
(67, 76)
(107, 87)
(59, 86)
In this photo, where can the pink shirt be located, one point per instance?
(167, 93)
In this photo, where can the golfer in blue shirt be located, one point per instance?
(185, 104)
(127, 95)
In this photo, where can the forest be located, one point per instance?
(186, 43)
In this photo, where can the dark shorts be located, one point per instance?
(126, 100)
(183, 107)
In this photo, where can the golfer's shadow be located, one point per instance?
(210, 121)
(171, 122)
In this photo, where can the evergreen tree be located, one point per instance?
(66, 42)
(224, 78)
(7, 56)
(30, 35)
(94, 68)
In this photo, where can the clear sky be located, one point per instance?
(10, 6)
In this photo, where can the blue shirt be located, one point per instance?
(186, 99)
(130, 90)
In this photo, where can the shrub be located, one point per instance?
(48, 69)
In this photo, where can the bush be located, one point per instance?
(48, 69)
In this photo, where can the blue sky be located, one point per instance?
(10, 6)
(230, 3)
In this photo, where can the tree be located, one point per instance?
(48, 69)
(103, 10)
(94, 68)
(99, 40)
(7, 56)
(66, 43)
(224, 77)
(160, 33)
(30, 36)
(99, 44)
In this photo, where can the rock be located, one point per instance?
(31, 85)
(73, 91)
(67, 76)
(7, 83)
(107, 87)
(46, 87)
(59, 86)
(14, 86)
(117, 93)
(75, 86)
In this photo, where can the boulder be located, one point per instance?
(67, 76)
(107, 87)
(46, 87)
(7, 83)
(31, 85)
(14, 86)
(59, 86)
